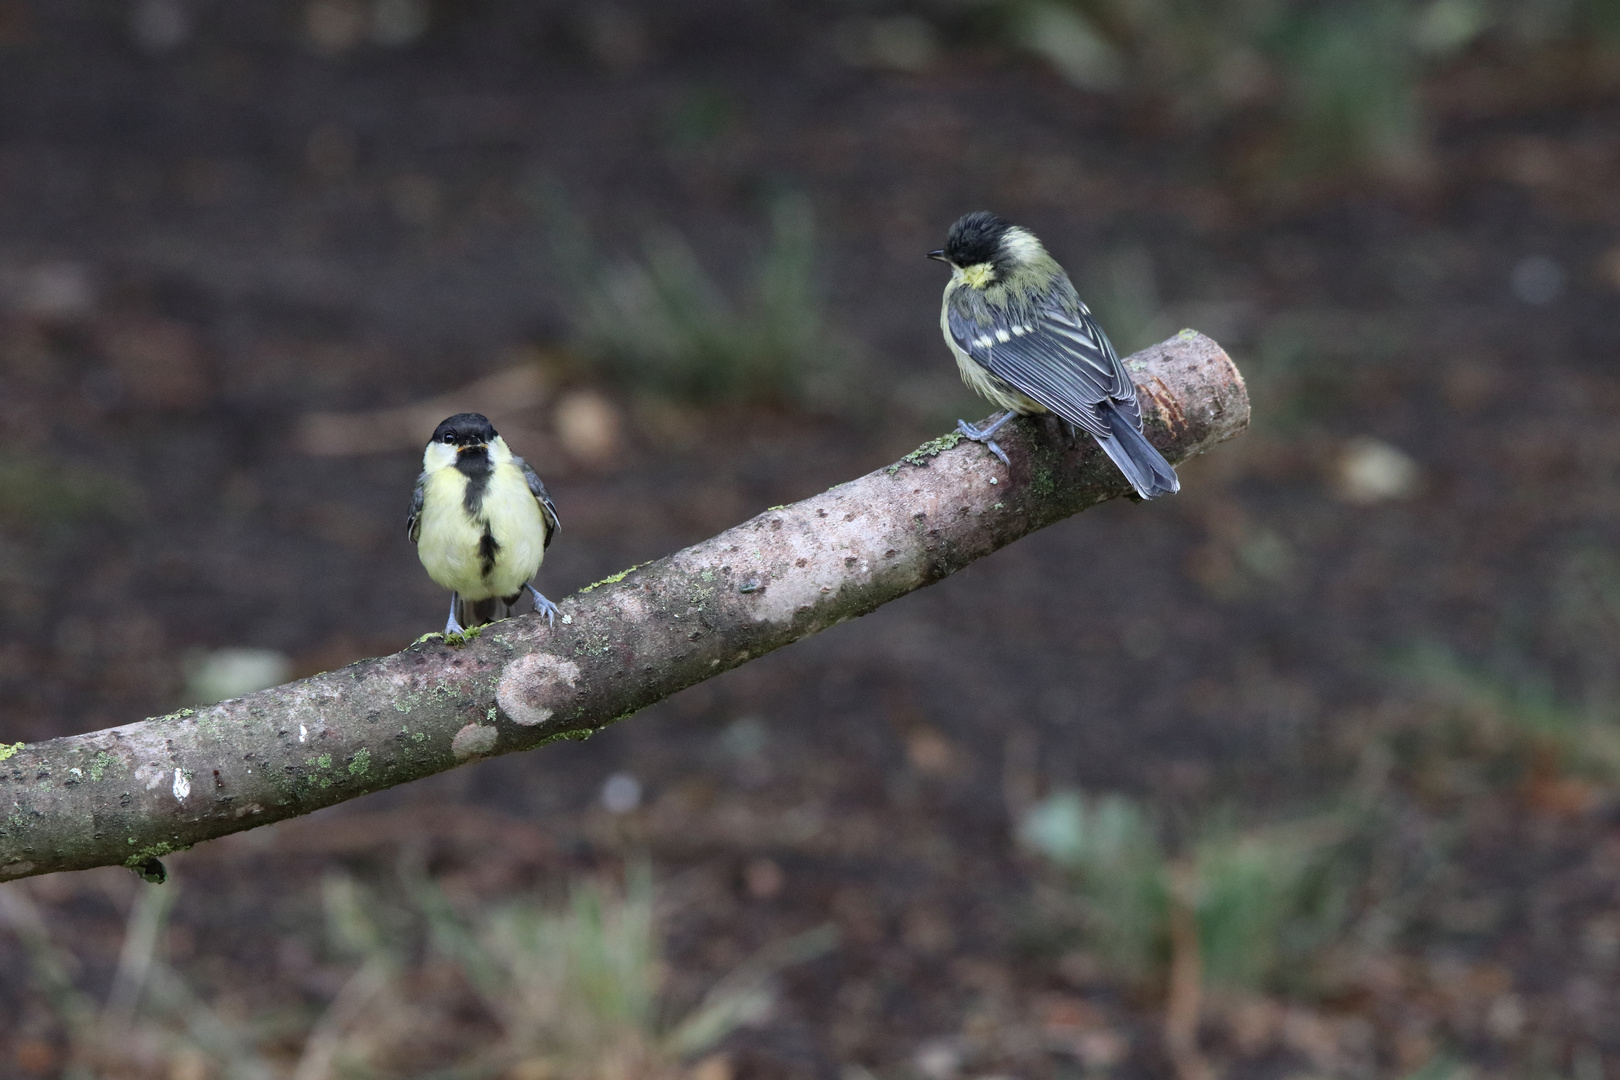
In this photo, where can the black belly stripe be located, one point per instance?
(487, 547)
(475, 466)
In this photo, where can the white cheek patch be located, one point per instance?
(438, 456)
(1021, 245)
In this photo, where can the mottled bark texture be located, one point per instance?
(131, 794)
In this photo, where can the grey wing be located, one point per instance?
(412, 523)
(1056, 355)
(541, 496)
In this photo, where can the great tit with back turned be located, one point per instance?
(481, 521)
(1023, 339)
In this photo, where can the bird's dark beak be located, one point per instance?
(938, 256)
(476, 448)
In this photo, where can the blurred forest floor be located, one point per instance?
(1393, 606)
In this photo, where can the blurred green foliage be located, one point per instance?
(1109, 848)
(1266, 901)
(698, 117)
(576, 988)
(661, 323)
(1320, 89)
(150, 1022)
(40, 490)
(579, 986)
(1121, 287)
(1513, 722)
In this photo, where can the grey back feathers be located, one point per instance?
(1030, 330)
(1052, 351)
(543, 497)
(413, 520)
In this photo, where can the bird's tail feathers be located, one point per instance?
(1137, 458)
(471, 613)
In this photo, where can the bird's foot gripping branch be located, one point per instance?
(129, 795)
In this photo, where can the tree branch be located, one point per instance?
(132, 794)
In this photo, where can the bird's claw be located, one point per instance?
(983, 436)
(543, 606)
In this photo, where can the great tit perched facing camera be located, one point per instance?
(1023, 340)
(481, 521)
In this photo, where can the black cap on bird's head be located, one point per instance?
(465, 429)
(974, 239)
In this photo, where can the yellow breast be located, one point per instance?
(492, 552)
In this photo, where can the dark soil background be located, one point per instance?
(207, 237)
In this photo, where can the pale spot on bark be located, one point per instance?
(182, 786)
(630, 605)
(473, 741)
(807, 559)
(531, 686)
